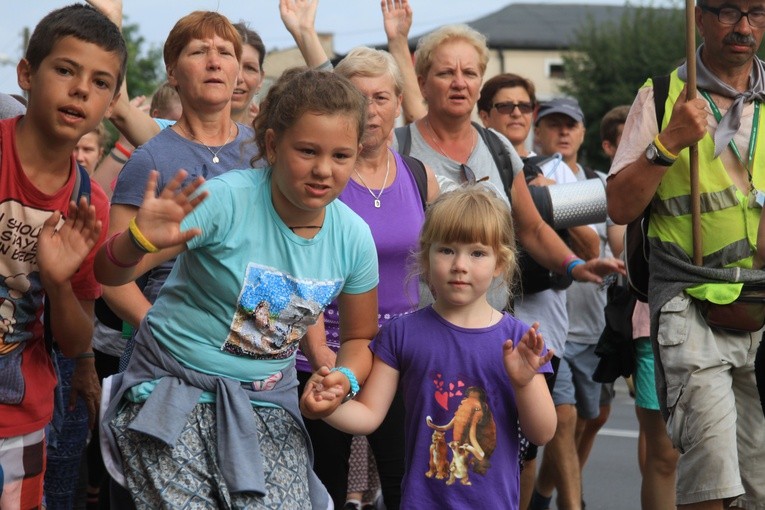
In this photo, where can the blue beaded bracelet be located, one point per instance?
(347, 372)
(571, 265)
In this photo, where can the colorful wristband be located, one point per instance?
(663, 149)
(125, 152)
(571, 265)
(351, 378)
(114, 260)
(139, 239)
(567, 261)
(85, 355)
(117, 158)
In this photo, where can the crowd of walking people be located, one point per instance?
(349, 294)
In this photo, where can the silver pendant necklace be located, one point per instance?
(215, 158)
(385, 181)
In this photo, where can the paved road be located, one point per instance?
(611, 476)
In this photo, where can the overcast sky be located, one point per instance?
(353, 22)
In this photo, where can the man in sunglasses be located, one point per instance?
(705, 374)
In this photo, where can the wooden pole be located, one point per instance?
(690, 55)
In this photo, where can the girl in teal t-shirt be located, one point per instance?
(261, 253)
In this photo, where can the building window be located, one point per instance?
(554, 69)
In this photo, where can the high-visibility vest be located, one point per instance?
(729, 219)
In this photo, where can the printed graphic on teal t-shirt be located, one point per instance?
(273, 312)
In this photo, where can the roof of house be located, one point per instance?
(541, 26)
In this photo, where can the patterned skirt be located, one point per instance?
(189, 475)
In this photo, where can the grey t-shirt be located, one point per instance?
(167, 153)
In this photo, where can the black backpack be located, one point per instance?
(636, 246)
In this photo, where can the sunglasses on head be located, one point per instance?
(508, 107)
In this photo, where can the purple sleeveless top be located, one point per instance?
(395, 228)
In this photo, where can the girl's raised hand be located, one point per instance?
(159, 217)
(522, 362)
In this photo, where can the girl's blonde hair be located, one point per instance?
(423, 55)
(470, 214)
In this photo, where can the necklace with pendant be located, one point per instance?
(385, 181)
(215, 158)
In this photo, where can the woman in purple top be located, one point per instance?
(384, 192)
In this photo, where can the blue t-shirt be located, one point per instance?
(239, 299)
(450, 378)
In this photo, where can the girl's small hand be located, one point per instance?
(323, 393)
(159, 218)
(522, 362)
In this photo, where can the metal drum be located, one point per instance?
(573, 204)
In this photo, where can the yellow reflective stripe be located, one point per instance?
(710, 202)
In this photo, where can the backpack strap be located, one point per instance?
(590, 173)
(532, 166)
(417, 169)
(500, 154)
(404, 138)
(81, 189)
(660, 94)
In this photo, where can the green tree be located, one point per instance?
(610, 61)
(146, 69)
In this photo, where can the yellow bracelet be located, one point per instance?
(139, 239)
(663, 149)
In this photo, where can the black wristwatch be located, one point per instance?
(655, 156)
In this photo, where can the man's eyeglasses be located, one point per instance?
(507, 108)
(731, 15)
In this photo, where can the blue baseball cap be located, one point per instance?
(565, 105)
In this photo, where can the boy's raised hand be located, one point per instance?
(522, 362)
(159, 217)
(60, 252)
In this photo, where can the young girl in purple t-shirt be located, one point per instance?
(471, 376)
